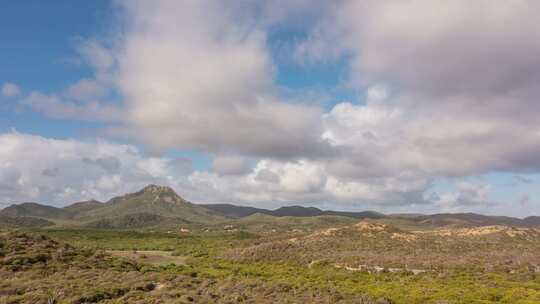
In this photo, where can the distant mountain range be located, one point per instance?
(158, 206)
(149, 207)
(233, 211)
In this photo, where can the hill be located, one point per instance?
(532, 221)
(142, 209)
(468, 219)
(157, 200)
(7, 222)
(149, 207)
(35, 210)
(84, 206)
(265, 224)
(364, 243)
(135, 221)
(234, 211)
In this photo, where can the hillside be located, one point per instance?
(487, 247)
(136, 221)
(158, 206)
(157, 200)
(79, 207)
(264, 223)
(468, 219)
(532, 221)
(234, 211)
(150, 207)
(37, 269)
(35, 210)
(7, 222)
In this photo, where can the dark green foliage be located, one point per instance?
(35, 210)
(23, 222)
(135, 221)
(89, 276)
(233, 211)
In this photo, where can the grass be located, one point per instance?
(152, 257)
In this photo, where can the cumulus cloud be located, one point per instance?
(86, 89)
(447, 87)
(272, 183)
(433, 47)
(10, 89)
(192, 75)
(58, 107)
(198, 75)
(230, 165)
(466, 82)
(70, 170)
(466, 195)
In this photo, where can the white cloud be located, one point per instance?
(465, 196)
(198, 75)
(70, 170)
(57, 107)
(466, 77)
(192, 75)
(10, 89)
(274, 183)
(230, 165)
(86, 89)
(451, 91)
(437, 48)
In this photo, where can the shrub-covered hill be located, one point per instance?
(7, 222)
(147, 208)
(37, 269)
(136, 221)
(142, 209)
(378, 245)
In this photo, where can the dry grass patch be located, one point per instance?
(152, 257)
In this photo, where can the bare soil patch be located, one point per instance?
(153, 257)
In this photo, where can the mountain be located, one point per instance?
(136, 221)
(153, 199)
(35, 210)
(151, 206)
(468, 219)
(23, 222)
(532, 221)
(297, 211)
(234, 211)
(155, 206)
(356, 215)
(84, 206)
(264, 223)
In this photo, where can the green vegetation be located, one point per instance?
(215, 268)
(160, 208)
(22, 221)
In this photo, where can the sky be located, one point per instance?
(393, 106)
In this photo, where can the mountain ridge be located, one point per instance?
(155, 203)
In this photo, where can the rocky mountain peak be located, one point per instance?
(156, 189)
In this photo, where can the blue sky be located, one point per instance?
(39, 53)
(295, 108)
